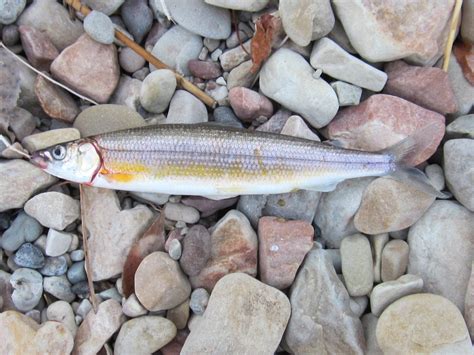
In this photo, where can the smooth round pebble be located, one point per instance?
(130, 61)
(157, 90)
(29, 256)
(59, 287)
(57, 243)
(54, 266)
(138, 18)
(175, 249)
(77, 272)
(436, 176)
(225, 116)
(81, 289)
(132, 307)
(27, 288)
(10, 10)
(77, 255)
(394, 259)
(199, 301)
(61, 311)
(180, 212)
(100, 27)
(24, 228)
(10, 35)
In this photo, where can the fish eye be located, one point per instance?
(59, 152)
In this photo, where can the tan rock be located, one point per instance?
(55, 101)
(48, 138)
(38, 48)
(377, 242)
(394, 259)
(179, 315)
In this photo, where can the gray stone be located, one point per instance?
(242, 5)
(293, 205)
(461, 127)
(57, 243)
(359, 305)
(233, 57)
(29, 256)
(107, 7)
(347, 94)
(77, 273)
(463, 90)
(81, 289)
(111, 293)
(138, 18)
(156, 198)
(252, 207)
(127, 94)
(10, 10)
(467, 22)
(59, 287)
(130, 61)
(132, 307)
(180, 212)
(49, 138)
(54, 266)
(369, 322)
(394, 260)
(77, 255)
(199, 301)
(27, 288)
(224, 115)
(99, 27)
(241, 76)
(436, 176)
(338, 35)
(157, 90)
(175, 249)
(357, 265)
(186, 108)
(469, 303)
(61, 311)
(24, 228)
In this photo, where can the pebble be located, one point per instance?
(81, 289)
(138, 18)
(111, 293)
(226, 323)
(469, 303)
(394, 260)
(130, 61)
(144, 335)
(108, 7)
(321, 318)
(463, 90)
(99, 27)
(252, 207)
(179, 315)
(232, 238)
(23, 228)
(232, 57)
(157, 90)
(55, 101)
(216, 54)
(242, 5)
(83, 308)
(358, 305)
(61, 311)
(156, 198)
(241, 76)
(10, 35)
(18, 181)
(57, 243)
(197, 17)
(467, 27)
(132, 308)
(313, 99)
(29, 256)
(225, 116)
(211, 44)
(196, 250)
(461, 127)
(301, 205)
(54, 266)
(449, 275)
(204, 69)
(98, 328)
(77, 273)
(38, 48)
(27, 287)
(369, 322)
(159, 283)
(423, 323)
(22, 122)
(77, 255)
(176, 48)
(435, 174)
(283, 244)
(10, 10)
(175, 249)
(249, 105)
(334, 61)
(199, 301)
(127, 93)
(377, 243)
(180, 212)
(296, 127)
(186, 108)
(89, 67)
(357, 264)
(59, 287)
(465, 55)
(208, 207)
(347, 94)
(458, 167)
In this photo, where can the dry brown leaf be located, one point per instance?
(261, 44)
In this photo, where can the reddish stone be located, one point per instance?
(206, 206)
(424, 86)
(175, 346)
(174, 234)
(282, 246)
(89, 67)
(465, 55)
(38, 48)
(383, 120)
(196, 250)
(248, 104)
(204, 69)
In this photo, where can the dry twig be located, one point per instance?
(452, 33)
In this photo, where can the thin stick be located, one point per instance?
(46, 76)
(119, 35)
(452, 34)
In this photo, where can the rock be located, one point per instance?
(224, 115)
(313, 99)
(336, 209)
(293, 205)
(57, 243)
(138, 18)
(242, 5)
(130, 61)
(54, 266)
(29, 256)
(59, 287)
(52, 19)
(144, 335)
(107, 118)
(240, 305)
(197, 17)
(99, 27)
(458, 168)
(24, 228)
(56, 102)
(204, 69)
(249, 105)
(157, 90)
(463, 90)
(156, 198)
(108, 7)
(357, 264)
(339, 35)
(97, 328)
(401, 206)
(159, 283)
(22, 122)
(179, 315)
(196, 250)
(377, 243)
(369, 322)
(18, 181)
(77, 273)
(180, 212)
(461, 127)
(467, 27)
(77, 255)
(176, 48)
(61, 311)
(38, 48)
(10, 35)
(321, 317)
(132, 307)
(53, 209)
(27, 288)
(206, 206)
(358, 305)
(112, 231)
(175, 249)
(347, 94)
(388, 292)
(233, 57)
(233, 249)
(296, 127)
(282, 247)
(361, 127)
(81, 289)
(445, 224)
(49, 138)
(89, 67)
(423, 323)
(464, 54)
(199, 301)
(469, 304)
(10, 10)
(390, 31)
(127, 93)
(241, 76)
(394, 259)
(334, 61)
(186, 108)
(436, 176)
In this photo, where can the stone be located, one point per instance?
(242, 5)
(159, 282)
(28, 255)
(347, 94)
(186, 108)
(358, 305)
(175, 249)
(18, 181)
(238, 306)
(461, 127)
(199, 300)
(377, 243)
(225, 116)
(127, 93)
(157, 90)
(23, 228)
(52, 19)
(99, 27)
(89, 67)
(334, 61)
(53, 209)
(445, 225)
(61, 311)
(252, 207)
(313, 99)
(97, 328)
(130, 61)
(241, 76)
(10, 35)
(196, 250)
(233, 57)
(49, 138)
(112, 231)
(108, 7)
(138, 18)
(282, 247)
(54, 266)
(27, 288)
(462, 88)
(180, 212)
(77, 273)
(435, 174)
(57, 243)
(179, 315)
(336, 209)
(400, 207)
(384, 32)
(369, 322)
(38, 48)
(301, 204)
(423, 323)
(394, 260)
(469, 304)
(321, 318)
(197, 17)
(77, 255)
(234, 247)
(249, 105)
(10, 10)
(59, 287)
(22, 122)
(132, 307)
(156, 198)
(176, 48)
(208, 207)
(357, 265)
(81, 289)
(459, 168)
(55, 101)
(204, 69)
(388, 292)
(339, 35)
(467, 27)
(296, 127)
(464, 54)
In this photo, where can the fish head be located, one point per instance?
(78, 161)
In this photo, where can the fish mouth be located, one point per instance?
(39, 159)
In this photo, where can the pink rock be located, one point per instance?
(38, 48)
(282, 247)
(424, 86)
(204, 69)
(196, 250)
(206, 206)
(465, 55)
(248, 104)
(89, 67)
(383, 120)
(174, 234)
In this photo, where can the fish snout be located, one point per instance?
(39, 159)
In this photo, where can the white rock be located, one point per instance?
(369, 322)
(347, 94)
(359, 305)
(57, 243)
(27, 288)
(157, 90)
(378, 242)
(463, 90)
(242, 5)
(61, 311)
(186, 108)
(132, 307)
(127, 92)
(436, 176)
(100, 27)
(296, 127)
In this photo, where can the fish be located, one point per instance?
(219, 162)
